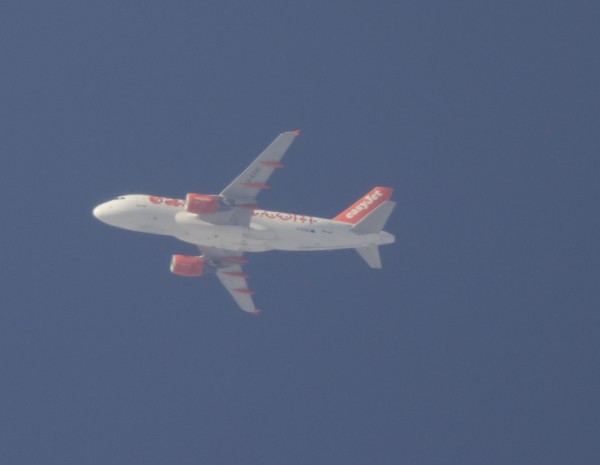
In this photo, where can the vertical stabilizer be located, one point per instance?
(375, 221)
(365, 205)
(370, 254)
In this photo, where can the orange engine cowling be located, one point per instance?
(183, 265)
(202, 204)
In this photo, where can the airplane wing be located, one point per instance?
(244, 189)
(240, 196)
(229, 271)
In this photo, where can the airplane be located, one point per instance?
(227, 225)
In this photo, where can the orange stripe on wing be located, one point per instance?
(237, 274)
(256, 185)
(244, 290)
(272, 164)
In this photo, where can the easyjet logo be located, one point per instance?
(166, 201)
(364, 204)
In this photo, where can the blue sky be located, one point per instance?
(476, 344)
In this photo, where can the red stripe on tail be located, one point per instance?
(365, 205)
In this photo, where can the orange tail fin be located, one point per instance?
(365, 205)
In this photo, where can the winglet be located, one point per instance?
(296, 132)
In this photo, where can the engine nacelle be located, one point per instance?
(183, 265)
(202, 204)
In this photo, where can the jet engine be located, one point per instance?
(183, 265)
(202, 204)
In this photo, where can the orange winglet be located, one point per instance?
(244, 290)
(256, 185)
(296, 132)
(255, 313)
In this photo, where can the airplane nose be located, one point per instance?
(110, 213)
(97, 212)
(101, 212)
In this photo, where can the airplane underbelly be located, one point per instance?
(313, 239)
(196, 231)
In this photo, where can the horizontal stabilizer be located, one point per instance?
(370, 254)
(375, 221)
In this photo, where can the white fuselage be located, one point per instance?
(267, 230)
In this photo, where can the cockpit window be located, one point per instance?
(119, 198)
